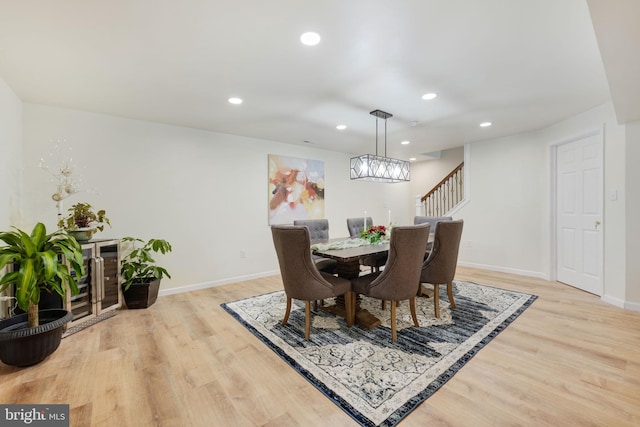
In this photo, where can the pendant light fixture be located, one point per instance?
(369, 167)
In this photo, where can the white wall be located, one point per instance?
(632, 231)
(206, 193)
(10, 157)
(203, 191)
(505, 226)
(507, 223)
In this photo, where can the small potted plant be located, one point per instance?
(82, 222)
(38, 266)
(140, 274)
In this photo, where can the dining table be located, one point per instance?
(348, 252)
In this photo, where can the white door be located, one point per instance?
(579, 213)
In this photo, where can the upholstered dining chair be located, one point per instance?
(301, 278)
(400, 278)
(433, 222)
(318, 232)
(440, 266)
(355, 227)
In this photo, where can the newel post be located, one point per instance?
(419, 206)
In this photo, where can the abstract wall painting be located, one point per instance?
(296, 189)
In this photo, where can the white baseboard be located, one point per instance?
(198, 286)
(613, 301)
(635, 306)
(627, 305)
(510, 270)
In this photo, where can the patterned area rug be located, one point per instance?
(375, 381)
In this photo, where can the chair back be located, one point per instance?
(318, 228)
(400, 279)
(356, 225)
(300, 277)
(431, 220)
(440, 266)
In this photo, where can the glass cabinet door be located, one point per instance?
(82, 304)
(109, 254)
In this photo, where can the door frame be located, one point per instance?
(553, 208)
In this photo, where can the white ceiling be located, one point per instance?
(521, 64)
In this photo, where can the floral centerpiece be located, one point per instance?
(374, 234)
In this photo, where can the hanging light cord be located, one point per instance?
(376, 136)
(385, 137)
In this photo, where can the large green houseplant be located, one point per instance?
(37, 266)
(140, 274)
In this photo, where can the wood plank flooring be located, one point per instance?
(569, 360)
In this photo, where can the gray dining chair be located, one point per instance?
(319, 232)
(440, 266)
(301, 278)
(318, 228)
(400, 279)
(433, 222)
(355, 227)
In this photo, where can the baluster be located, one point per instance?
(447, 200)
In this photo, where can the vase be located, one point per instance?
(82, 234)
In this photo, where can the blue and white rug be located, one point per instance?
(375, 381)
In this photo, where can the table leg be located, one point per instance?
(364, 319)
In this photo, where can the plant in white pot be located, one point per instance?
(82, 222)
(140, 274)
(39, 264)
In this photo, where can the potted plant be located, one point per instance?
(38, 266)
(82, 222)
(374, 234)
(140, 273)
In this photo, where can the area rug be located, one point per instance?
(378, 382)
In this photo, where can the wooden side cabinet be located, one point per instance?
(99, 288)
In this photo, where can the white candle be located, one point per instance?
(389, 216)
(364, 221)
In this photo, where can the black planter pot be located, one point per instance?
(141, 295)
(24, 346)
(47, 300)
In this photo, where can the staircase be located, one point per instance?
(442, 198)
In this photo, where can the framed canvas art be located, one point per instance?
(296, 189)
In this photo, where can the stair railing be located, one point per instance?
(445, 195)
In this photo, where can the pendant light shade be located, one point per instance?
(371, 167)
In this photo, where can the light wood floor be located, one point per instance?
(569, 360)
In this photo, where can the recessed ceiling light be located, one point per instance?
(485, 124)
(411, 159)
(341, 127)
(405, 142)
(310, 38)
(429, 96)
(235, 101)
